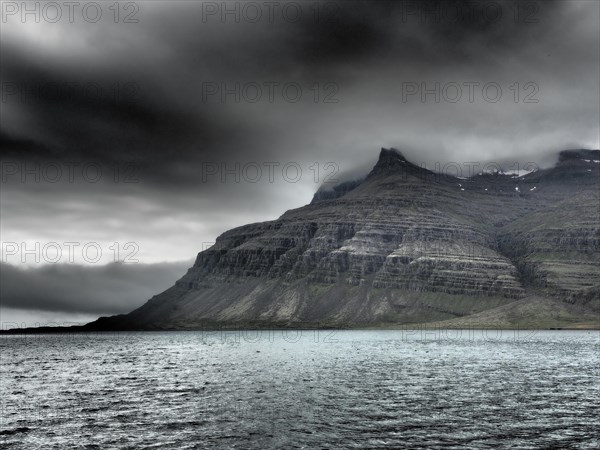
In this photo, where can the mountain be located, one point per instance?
(405, 245)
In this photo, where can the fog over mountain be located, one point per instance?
(155, 135)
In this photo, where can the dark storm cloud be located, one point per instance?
(99, 118)
(161, 120)
(109, 289)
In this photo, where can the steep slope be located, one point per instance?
(404, 245)
(557, 249)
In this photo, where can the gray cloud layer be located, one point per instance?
(107, 289)
(367, 50)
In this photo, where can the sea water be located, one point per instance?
(463, 389)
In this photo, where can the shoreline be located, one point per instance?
(246, 327)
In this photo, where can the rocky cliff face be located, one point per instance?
(403, 245)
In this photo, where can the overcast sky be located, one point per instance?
(144, 133)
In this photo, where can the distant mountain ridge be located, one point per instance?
(405, 245)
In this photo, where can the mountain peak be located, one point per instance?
(392, 161)
(391, 154)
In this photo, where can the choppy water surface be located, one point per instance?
(351, 389)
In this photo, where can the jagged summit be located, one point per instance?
(390, 154)
(390, 160)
